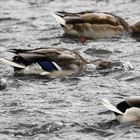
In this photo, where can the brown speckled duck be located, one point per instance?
(95, 25)
(92, 25)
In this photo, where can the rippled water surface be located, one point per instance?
(66, 108)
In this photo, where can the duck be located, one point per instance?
(50, 62)
(91, 25)
(127, 111)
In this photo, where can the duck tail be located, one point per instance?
(11, 63)
(59, 19)
(111, 107)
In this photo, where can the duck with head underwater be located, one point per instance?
(94, 25)
(127, 111)
(91, 24)
(50, 62)
(53, 62)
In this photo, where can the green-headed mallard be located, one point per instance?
(52, 62)
(127, 110)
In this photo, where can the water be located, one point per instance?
(66, 108)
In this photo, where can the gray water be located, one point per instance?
(66, 108)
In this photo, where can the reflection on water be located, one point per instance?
(69, 107)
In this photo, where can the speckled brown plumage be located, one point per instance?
(93, 24)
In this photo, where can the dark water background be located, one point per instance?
(67, 108)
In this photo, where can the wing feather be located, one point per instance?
(110, 106)
(12, 63)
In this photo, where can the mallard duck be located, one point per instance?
(52, 62)
(127, 111)
(92, 25)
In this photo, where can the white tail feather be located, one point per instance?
(111, 107)
(12, 63)
(59, 19)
